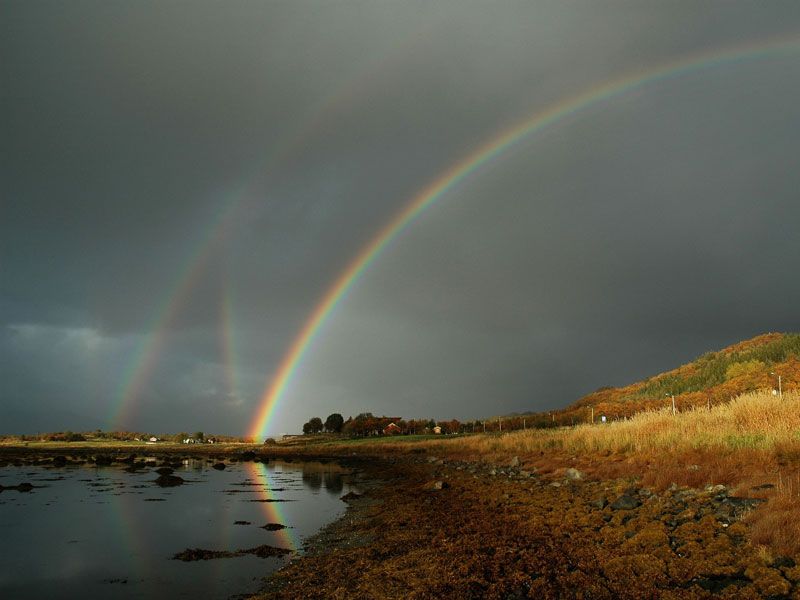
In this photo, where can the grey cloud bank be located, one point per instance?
(629, 238)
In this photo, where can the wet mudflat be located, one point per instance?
(148, 529)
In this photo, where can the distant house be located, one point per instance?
(211, 440)
(437, 430)
(391, 429)
(189, 441)
(153, 439)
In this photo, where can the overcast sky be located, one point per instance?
(181, 182)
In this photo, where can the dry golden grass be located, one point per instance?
(777, 527)
(757, 421)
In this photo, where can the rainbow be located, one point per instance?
(143, 363)
(144, 357)
(468, 166)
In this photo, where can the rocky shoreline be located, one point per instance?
(429, 527)
(435, 528)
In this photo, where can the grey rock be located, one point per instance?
(600, 503)
(573, 474)
(625, 502)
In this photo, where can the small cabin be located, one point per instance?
(437, 430)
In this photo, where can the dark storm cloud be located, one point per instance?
(636, 236)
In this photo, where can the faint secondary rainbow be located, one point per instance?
(144, 359)
(466, 167)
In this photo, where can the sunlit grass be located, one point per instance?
(755, 421)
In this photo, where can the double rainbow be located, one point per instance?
(467, 167)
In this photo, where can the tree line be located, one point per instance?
(366, 424)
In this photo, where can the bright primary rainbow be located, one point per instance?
(469, 165)
(466, 167)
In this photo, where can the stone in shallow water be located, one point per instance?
(22, 487)
(169, 481)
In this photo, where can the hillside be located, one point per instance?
(713, 378)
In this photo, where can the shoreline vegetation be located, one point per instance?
(699, 504)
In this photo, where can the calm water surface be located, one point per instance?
(100, 532)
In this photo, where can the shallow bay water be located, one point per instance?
(100, 532)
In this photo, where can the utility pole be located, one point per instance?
(593, 415)
(500, 422)
(673, 402)
(523, 425)
(780, 389)
(484, 427)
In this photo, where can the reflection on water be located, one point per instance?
(106, 533)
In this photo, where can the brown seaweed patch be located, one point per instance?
(263, 551)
